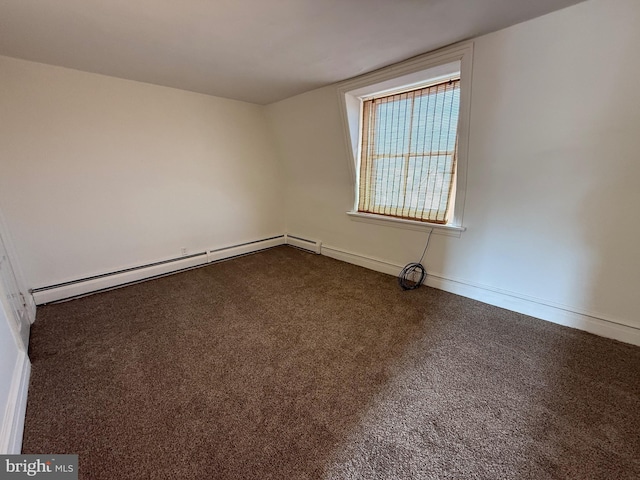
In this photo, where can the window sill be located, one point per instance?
(451, 230)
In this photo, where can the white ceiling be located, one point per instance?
(259, 51)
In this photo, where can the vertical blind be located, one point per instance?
(408, 162)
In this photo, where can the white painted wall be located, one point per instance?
(552, 195)
(99, 173)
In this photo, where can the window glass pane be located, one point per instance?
(388, 182)
(392, 126)
(428, 182)
(435, 122)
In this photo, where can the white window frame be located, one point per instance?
(415, 71)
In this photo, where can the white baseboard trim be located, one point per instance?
(13, 422)
(560, 314)
(127, 276)
(361, 260)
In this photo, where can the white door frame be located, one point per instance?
(18, 302)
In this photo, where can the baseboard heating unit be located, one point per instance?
(127, 276)
(244, 248)
(314, 246)
(105, 281)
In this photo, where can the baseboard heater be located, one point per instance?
(106, 281)
(127, 276)
(244, 248)
(314, 246)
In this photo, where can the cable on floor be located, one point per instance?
(413, 274)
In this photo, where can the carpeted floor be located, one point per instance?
(288, 365)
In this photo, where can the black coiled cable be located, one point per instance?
(407, 278)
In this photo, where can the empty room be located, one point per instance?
(296, 239)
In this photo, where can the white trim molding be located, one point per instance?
(561, 314)
(13, 421)
(450, 230)
(412, 71)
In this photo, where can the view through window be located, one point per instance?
(408, 153)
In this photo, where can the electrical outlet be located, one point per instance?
(183, 251)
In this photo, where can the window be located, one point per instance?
(407, 131)
(408, 153)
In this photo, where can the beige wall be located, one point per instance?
(99, 173)
(553, 167)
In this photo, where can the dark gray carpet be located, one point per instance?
(288, 365)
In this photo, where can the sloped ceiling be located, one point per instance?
(258, 51)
